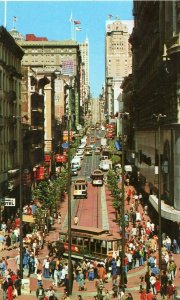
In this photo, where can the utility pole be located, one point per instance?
(123, 116)
(69, 208)
(158, 119)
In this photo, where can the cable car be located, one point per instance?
(97, 178)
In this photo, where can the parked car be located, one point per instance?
(74, 172)
(80, 154)
(97, 150)
(88, 152)
(104, 166)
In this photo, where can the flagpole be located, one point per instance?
(5, 12)
(14, 20)
(71, 21)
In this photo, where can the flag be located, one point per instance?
(110, 16)
(78, 28)
(76, 22)
(70, 19)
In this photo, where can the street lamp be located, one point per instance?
(158, 119)
(123, 116)
(19, 118)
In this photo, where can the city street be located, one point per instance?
(133, 275)
(89, 150)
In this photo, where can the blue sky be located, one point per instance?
(51, 19)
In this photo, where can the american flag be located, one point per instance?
(76, 22)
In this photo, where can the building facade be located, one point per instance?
(84, 49)
(60, 62)
(10, 115)
(156, 91)
(117, 63)
(54, 56)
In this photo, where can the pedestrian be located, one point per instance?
(10, 289)
(152, 280)
(4, 287)
(46, 267)
(40, 293)
(59, 217)
(120, 295)
(175, 246)
(157, 285)
(99, 285)
(3, 228)
(171, 268)
(17, 285)
(36, 264)
(128, 199)
(164, 283)
(8, 242)
(107, 295)
(39, 278)
(51, 293)
(129, 296)
(52, 266)
(114, 268)
(13, 240)
(149, 295)
(31, 264)
(76, 220)
(147, 281)
(56, 276)
(66, 284)
(170, 290)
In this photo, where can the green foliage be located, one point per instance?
(48, 193)
(115, 159)
(42, 191)
(116, 192)
(39, 214)
(116, 204)
(111, 145)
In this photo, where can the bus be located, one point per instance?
(80, 188)
(97, 178)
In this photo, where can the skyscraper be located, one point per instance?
(118, 63)
(84, 49)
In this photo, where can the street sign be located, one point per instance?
(9, 202)
(65, 145)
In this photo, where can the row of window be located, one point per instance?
(8, 83)
(56, 51)
(9, 58)
(5, 163)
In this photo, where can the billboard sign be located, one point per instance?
(68, 67)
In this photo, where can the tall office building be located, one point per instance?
(156, 92)
(84, 49)
(118, 64)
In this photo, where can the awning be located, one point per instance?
(118, 145)
(167, 212)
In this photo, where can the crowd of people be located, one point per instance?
(141, 236)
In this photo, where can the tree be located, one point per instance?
(48, 194)
(116, 192)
